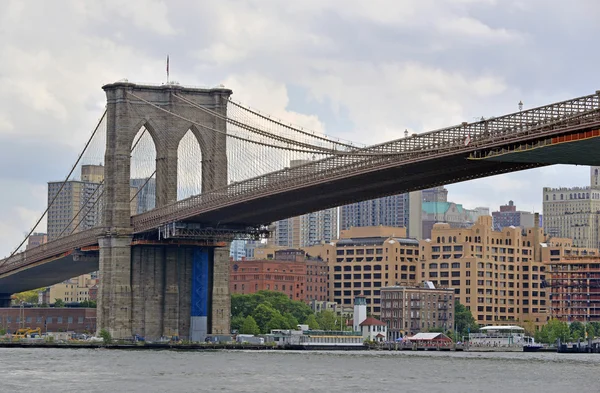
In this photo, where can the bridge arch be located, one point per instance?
(143, 170)
(190, 166)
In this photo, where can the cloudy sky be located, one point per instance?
(360, 70)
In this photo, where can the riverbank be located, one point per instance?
(238, 346)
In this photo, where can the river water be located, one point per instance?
(101, 370)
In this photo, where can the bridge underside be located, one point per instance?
(579, 148)
(585, 151)
(50, 272)
(337, 192)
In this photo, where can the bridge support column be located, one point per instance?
(114, 295)
(4, 300)
(221, 300)
(179, 291)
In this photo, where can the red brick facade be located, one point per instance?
(288, 273)
(79, 320)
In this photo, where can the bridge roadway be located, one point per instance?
(505, 144)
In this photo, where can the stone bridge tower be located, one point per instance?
(143, 289)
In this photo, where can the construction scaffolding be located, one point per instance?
(575, 288)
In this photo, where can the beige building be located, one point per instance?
(365, 259)
(495, 274)
(73, 290)
(574, 213)
(36, 239)
(408, 310)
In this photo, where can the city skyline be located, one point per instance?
(442, 64)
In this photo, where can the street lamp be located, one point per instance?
(520, 105)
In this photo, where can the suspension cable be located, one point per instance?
(290, 127)
(62, 185)
(228, 134)
(254, 129)
(356, 152)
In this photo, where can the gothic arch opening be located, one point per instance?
(143, 172)
(189, 166)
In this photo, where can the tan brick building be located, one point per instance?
(74, 290)
(408, 310)
(364, 260)
(496, 274)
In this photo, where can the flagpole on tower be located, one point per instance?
(167, 69)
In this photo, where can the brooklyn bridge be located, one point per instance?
(222, 171)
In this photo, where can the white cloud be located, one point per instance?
(365, 71)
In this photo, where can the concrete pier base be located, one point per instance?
(172, 291)
(221, 300)
(114, 295)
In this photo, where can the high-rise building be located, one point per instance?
(510, 216)
(450, 213)
(237, 250)
(497, 275)
(435, 194)
(307, 229)
(365, 259)
(392, 211)
(574, 213)
(64, 216)
(403, 211)
(144, 191)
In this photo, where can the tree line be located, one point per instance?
(261, 312)
(554, 330)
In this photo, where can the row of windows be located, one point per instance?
(40, 319)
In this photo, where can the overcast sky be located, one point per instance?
(361, 70)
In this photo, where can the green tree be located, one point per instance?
(577, 330)
(277, 322)
(312, 323)
(263, 314)
(59, 303)
(541, 335)
(558, 329)
(291, 320)
(106, 336)
(237, 322)
(463, 320)
(327, 320)
(88, 304)
(250, 326)
(28, 296)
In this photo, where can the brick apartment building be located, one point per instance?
(408, 310)
(287, 271)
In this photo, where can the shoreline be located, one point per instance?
(232, 346)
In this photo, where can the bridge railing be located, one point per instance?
(51, 249)
(466, 137)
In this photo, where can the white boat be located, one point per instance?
(500, 336)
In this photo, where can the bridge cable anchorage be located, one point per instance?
(62, 185)
(350, 144)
